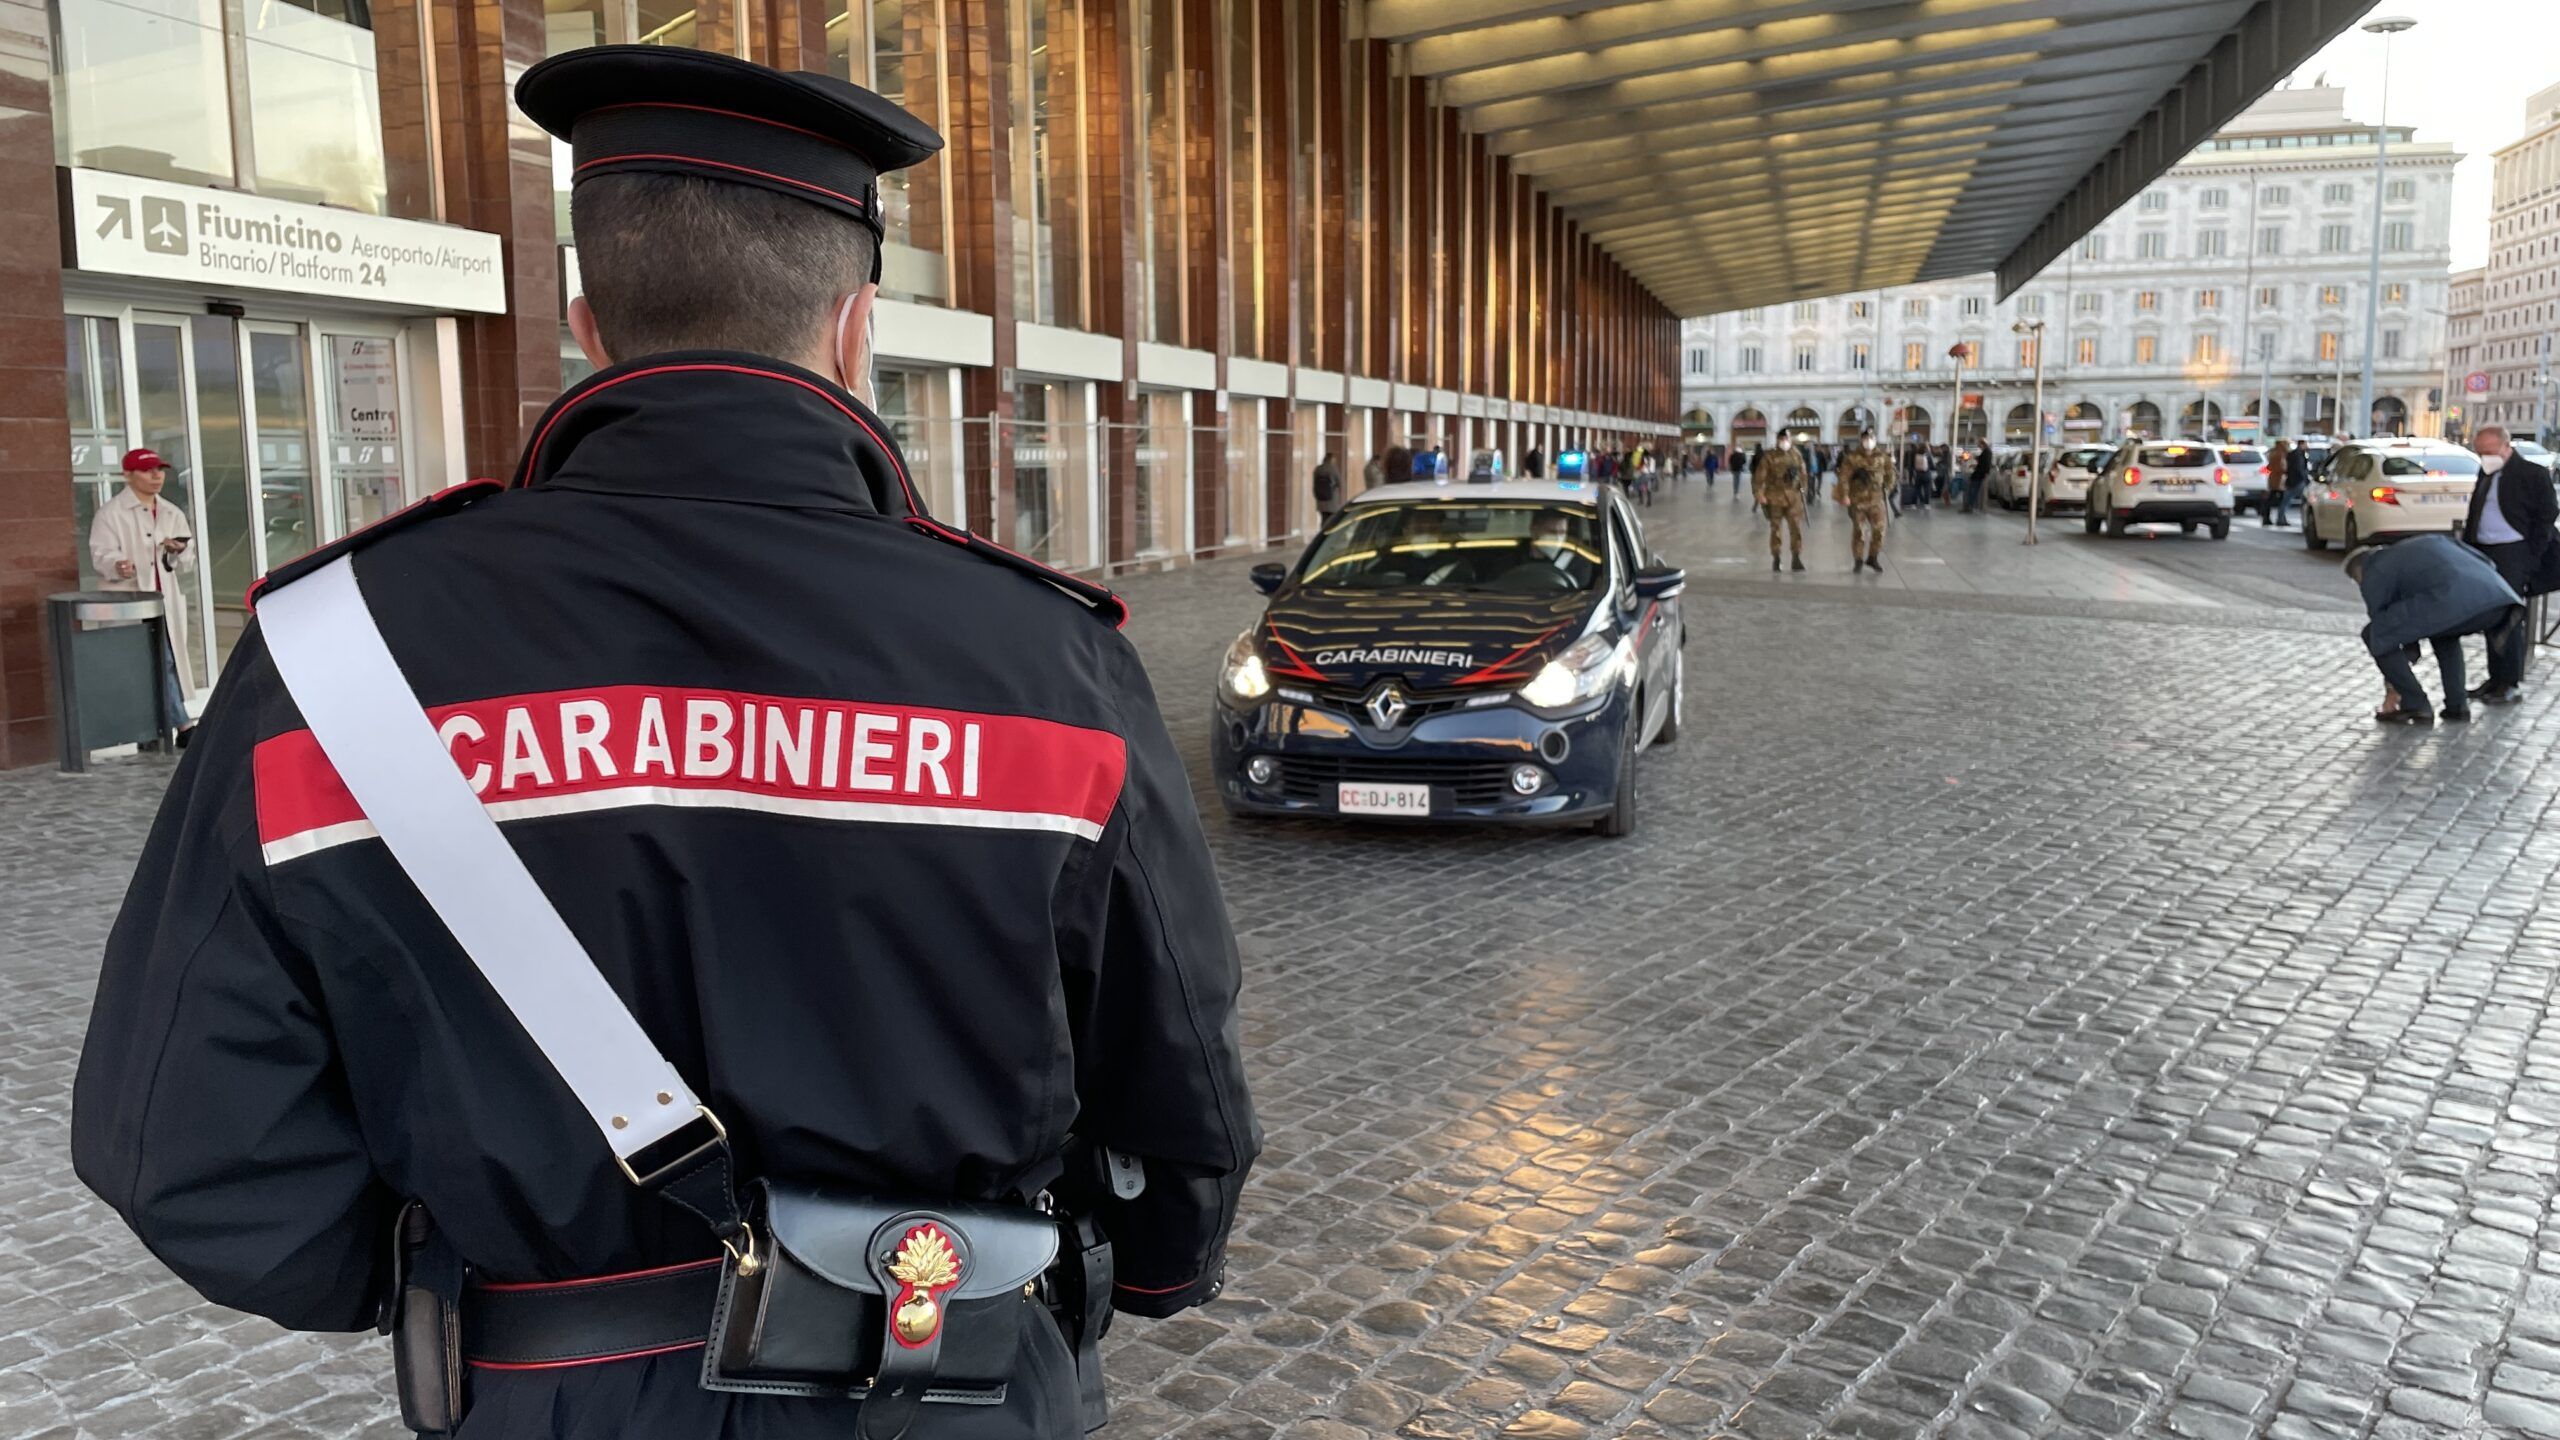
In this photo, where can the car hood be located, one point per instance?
(1432, 639)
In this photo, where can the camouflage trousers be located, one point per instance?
(1866, 528)
(1787, 512)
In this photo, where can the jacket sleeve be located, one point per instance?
(1159, 1049)
(210, 1109)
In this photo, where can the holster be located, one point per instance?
(895, 1305)
(423, 1317)
(1080, 1291)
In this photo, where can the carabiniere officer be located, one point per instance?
(875, 829)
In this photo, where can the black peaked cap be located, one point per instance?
(669, 110)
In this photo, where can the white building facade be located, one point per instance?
(2241, 273)
(2520, 297)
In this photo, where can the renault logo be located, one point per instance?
(1386, 706)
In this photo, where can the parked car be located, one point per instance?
(2383, 489)
(2066, 479)
(2161, 482)
(2252, 486)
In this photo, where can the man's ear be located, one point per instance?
(582, 328)
(851, 344)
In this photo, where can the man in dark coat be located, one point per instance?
(2511, 520)
(873, 828)
(2430, 588)
(1328, 485)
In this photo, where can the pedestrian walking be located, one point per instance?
(2427, 587)
(1777, 482)
(1328, 486)
(2511, 520)
(1709, 463)
(1373, 473)
(1866, 480)
(2272, 514)
(1534, 464)
(140, 541)
(1977, 483)
(2297, 478)
(1738, 467)
(672, 1018)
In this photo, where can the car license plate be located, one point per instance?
(2175, 484)
(1373, 799)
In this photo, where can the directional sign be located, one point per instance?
(2476, 383)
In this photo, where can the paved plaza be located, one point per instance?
(2036, 1002)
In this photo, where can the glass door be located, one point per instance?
(365, 469)
(278, 365)
(94, 349)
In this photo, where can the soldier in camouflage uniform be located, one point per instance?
(1778, 484)
(1866, 478)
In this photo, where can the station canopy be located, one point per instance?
(1735, 153)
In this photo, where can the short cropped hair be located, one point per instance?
(2485, 431)
(677, 262)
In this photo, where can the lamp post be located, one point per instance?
(2386, 27)
(1959, 353)
(2033, 330)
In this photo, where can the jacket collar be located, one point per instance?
(720, 425)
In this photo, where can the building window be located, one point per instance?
(2146, 300)
(2328, 344)
(1161, 203)
(148, 89)
(2207, 349)
(2391, 344)
(2395, 293)
(2401, 190)
(2146, 349)
(1808, 311)
(1697, 360)
(2031, 306)
(2027, 354)
(1804, 357)
(2089, 304)
(1245, 176)
(2151, 245)
(2399, 235)
(1862, 356)
(2266, 344)
(2270, 239)
(2333, 294)
(2094, 248)
(2086, 350)
(1861, 309)
(2266, 297)
(2334, 239)
(1970, 307)
(2209, 244)
(1915, 309)
(2276, 195)
(1752, 315)
(2338, 193)
(1049, 247)
(2208, 299)
(1915, 356)
(1747, 360)
(2155, 200)
(2213, 197)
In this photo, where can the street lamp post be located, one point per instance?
(2034, 330)
(2386, 27)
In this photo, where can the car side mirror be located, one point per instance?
(1269, 576)
(1660, 582)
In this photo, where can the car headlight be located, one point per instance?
(1240, 676)
(1583, 671)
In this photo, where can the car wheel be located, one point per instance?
(2222, 529)
(2350, 541)
(1621, 819)
(2116, 524)
(1670, 730)
(2311, 530)
(2089, 519)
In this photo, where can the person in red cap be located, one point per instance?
(139, 541)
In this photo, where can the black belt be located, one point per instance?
(547, 1325)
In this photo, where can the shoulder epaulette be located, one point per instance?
(1099, 598)
(443, 502)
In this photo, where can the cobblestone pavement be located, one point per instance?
(2015, 1016)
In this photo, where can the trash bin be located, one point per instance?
(107, 646)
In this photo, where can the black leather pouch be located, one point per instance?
(898, 1305)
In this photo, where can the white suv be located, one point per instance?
(2066, 479)
(2383, 489)
(2161, 482)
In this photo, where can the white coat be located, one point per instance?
(130, 528)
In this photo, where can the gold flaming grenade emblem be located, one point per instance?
(924, 1267)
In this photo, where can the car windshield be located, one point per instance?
(1450, 545)
(2441, 463)
(2174, 456)
(2244, 457)
(2087, 458)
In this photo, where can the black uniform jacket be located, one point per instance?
(880, 836)
(2526, 499)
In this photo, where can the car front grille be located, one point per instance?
(1305, 778)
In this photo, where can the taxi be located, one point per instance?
(1496, 652)
(2384, 489)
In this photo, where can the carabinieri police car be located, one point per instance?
(1478, 652)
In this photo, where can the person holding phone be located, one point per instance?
(141, 541)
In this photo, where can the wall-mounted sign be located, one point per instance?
(223, 240)
(2477, 382)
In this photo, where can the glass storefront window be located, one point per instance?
(1052, 476)
(1160, 206)
(143, 87)
(315, 112)
(667, 22)
(280, 401)
(916, 404)
(95, 360)
(228, 552)
(1048, 169)
(906, 66)
(364, 428)
(1244, 169)
(1163, 445)
(1244, 472)
(574, 25)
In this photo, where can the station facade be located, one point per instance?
(1175, 253)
